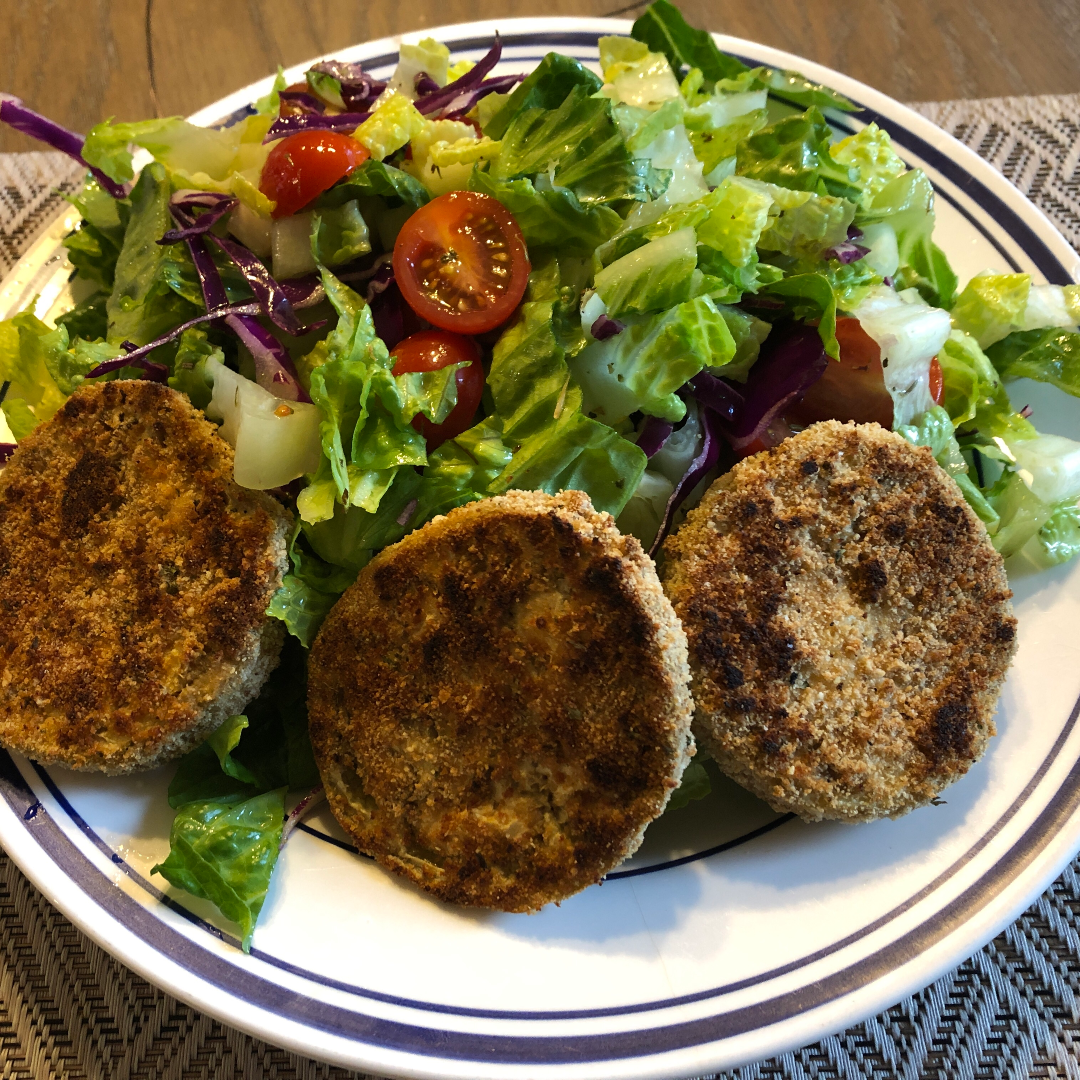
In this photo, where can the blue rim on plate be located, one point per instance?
(428, 1047)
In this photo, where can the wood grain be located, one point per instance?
(81, 60)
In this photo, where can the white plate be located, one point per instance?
(734, 934)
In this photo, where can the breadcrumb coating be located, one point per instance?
(849, 624)
(134, 581)
(499, 705)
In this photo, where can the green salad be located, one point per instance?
(399, 296)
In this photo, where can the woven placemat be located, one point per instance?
(67, 1009)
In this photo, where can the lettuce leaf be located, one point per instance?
(1051, 355)
(801, 224)
(228, 160)
(550, 216)
(225, 852)
(870, 151)
(662, 27)
(974, 392)
(934, 429)
(641, 368)
(907, 204)
(653, 277)
(547, 87)
(375, 179)
(142, 305)
(795, 153)
(339, 234)
(577, 145)
(366, 434)
(94, 246)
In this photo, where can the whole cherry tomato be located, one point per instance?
(304, 165)
(433, 349)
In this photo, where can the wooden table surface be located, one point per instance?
(81, 60)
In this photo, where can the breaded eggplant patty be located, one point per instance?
(848, 620)
(499, 704)
(134, 581)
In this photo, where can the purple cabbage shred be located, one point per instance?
(15, 114)
(439, 99)
(273, 299)
(358, 88)
(606, 327)
(303, 292)
(6, 450)
(716, 394)
(300, 101)
(788, 366)
(706, 459)
(425, 84)
(465, 101)
(290, 125)
(846, 252)
(654, 433)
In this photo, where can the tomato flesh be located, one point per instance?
(937, 382)
(461, 262)
(431, 350)
(304, 165)
(854, 388)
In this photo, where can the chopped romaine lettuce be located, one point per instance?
(547, 87)
(226, 853)
(910, 334)
(653, 277)
(641, 368)
(1051, 356)
(992, 306)
(907, 204)
(795, 153)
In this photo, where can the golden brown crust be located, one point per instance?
(849, 624)
(134, 580)
(499, 705)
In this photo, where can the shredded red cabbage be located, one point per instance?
(460, 105)
(303, 292)
(132, 358)
(275, 302)
(706, 459)
(298, 102)
(788, 366)
(14, 113)
(846, 252)
(606, 327)
(717, 395)
(439, 99)
(358, 88)
(6, 450)
(654, 433)
(215, 211)
(274, 369)
(290, 125)
(853, 232)
(425, 84)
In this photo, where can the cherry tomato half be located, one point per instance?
(461, 262)
(304, 165)
(854, 388)
(433, 349)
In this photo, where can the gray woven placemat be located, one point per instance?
(67, 1009)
